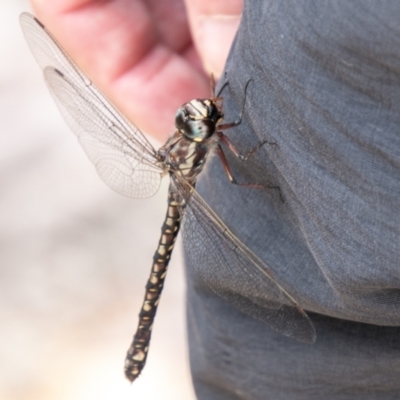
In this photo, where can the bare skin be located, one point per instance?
(148, 56)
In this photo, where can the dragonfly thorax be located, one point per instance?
(198, 118)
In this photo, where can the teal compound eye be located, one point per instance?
(197, 119)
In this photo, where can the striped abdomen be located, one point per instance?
(137, 353)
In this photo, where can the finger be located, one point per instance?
(213, 24)
(147, 73)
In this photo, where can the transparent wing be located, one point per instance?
(235, 273)
(123, 157)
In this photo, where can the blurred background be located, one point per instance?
(74, 257)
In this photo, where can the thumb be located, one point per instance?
(213, 25)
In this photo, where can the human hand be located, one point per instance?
(142, 53)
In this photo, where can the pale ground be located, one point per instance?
(74, 257)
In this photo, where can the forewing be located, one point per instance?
(123, 157)
(235, 273)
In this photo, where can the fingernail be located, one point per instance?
(214, 37)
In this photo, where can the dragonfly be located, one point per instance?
(128, 163)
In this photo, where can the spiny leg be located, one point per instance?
(242, 157)
(221, 90)
(236, 152)
(226, 83)
(218, 98)
(227, 141)
(238, 121)
(212, 85)
(231, 178)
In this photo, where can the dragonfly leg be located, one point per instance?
(221, 90)
(223, 86)
(238, 121)
(232, 179)
(212, 87)
(236, 152)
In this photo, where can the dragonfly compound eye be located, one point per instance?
(197, 119)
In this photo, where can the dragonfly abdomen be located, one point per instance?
(137, 353)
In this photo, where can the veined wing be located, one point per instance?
(123, 157)
(235, 273)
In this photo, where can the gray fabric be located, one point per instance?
(325, 93)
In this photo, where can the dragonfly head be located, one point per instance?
(197, 119)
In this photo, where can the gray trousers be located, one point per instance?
(325, 94)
